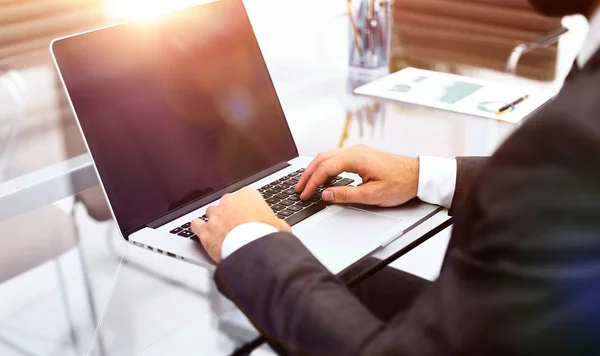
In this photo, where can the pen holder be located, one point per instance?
(369, 33)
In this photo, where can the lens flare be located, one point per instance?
(130, 10)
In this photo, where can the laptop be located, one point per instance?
(178, 111)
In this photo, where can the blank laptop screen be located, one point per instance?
(174, 108)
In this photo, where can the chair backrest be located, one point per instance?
(479, 33)
(28, 26)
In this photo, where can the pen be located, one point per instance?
(507, 107)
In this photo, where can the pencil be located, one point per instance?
(370, 28)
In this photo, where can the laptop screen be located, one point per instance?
(174, 108)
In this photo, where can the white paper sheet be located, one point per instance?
(457, 93)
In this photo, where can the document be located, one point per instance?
(456, 93)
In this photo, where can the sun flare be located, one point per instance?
(144, 9)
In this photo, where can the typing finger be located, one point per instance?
(326, 169)
(210, 211)
(312, 167)
(197, 226)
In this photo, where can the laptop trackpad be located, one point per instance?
(344, 237)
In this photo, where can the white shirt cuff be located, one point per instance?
(437, 180)
(242, 235)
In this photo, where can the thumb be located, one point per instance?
(284, 226)
(346, 195)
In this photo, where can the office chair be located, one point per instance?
(12, 82)
(24, 249)
(35, 247)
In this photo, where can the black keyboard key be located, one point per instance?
(186, 233)
(195, 238)
(176, 230)
(277, 207)
(280, 196)
(303, 204)
(294, 208)
(342, 182)
(314, 199)
(285, 213)
(300, 170)
(294, 181)
(293, 198)
(303, 214)
(266, 196)
(272, 200)
(290, 191)
(281, 216)
(271, 191)
(186, 225)
(286, 202)
(289, 183)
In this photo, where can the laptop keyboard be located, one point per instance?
(283, 199)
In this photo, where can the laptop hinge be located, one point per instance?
(188, 208)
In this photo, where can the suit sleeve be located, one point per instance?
(524, 279)
(467, 169)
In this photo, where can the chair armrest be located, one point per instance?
(543, 41)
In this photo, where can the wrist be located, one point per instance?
(407, 177)
(415, 171)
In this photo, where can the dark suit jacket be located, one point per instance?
(521, 275)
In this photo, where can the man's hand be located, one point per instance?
(388, 180)
(245, 206)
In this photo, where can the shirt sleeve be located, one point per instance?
(437, 180)
(242, 235)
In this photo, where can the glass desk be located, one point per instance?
(70, 286)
